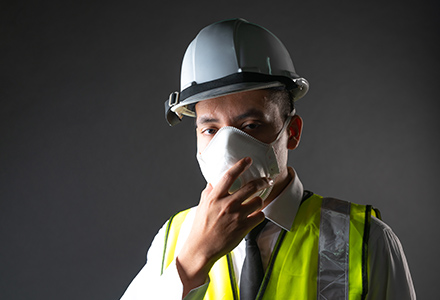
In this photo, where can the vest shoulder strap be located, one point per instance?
(343, 249)
(171, 236)
(223, 282)
(324, 256)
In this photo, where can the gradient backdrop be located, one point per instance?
(89, 169)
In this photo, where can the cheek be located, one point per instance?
(202, 142)
(282, 151)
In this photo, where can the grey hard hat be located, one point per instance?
(232, 56)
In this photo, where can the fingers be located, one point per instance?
(254, 219)
(252, 206)
(223, 186)
(252, 187)
(231, 175)
(207, 190)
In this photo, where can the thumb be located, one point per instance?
(208, 189)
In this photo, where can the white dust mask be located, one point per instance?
(228, 146)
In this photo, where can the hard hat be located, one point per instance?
(232, 56)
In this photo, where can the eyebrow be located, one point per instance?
(249, 113)
(205, 120)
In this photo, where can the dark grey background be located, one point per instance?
(90, 170)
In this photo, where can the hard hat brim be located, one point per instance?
(182, 107)
(182, 104)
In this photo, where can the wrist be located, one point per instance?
(193, 270)
(193, 263)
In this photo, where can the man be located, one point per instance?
(239, 82)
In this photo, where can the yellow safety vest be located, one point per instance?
(324, 256)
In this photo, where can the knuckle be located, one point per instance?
(256, 203)
(253, 185)
(232, 207)
(204, 194)
(228, 176)
(259, 201)
(263, 182)
(256, 184)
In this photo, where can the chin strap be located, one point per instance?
(172, 117)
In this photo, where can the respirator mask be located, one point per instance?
(228, 146)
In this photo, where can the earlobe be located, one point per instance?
(295, 129)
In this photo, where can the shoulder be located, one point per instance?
(384, 247)
(183, 219)
(179, 225)
(382, 234)
(389, 271)
(183, 215)
(169, 230)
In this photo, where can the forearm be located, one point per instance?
(193, 270)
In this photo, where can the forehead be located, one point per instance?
(257, 102)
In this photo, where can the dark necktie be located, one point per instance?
(253, 272)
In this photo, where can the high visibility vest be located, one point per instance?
(324, 256)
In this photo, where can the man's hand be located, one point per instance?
(221, 222)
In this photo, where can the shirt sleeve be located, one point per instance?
(149, 284)
(390, 277)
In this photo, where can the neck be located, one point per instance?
(282, 180)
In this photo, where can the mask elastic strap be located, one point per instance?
(286, 123)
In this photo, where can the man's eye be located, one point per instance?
(209, 131)
(251, 126)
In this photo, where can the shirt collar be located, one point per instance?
(282, 210)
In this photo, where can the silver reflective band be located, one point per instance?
(334, 234)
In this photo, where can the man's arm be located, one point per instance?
(390, 277)
(221, 222)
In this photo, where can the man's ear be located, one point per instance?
(295, 129)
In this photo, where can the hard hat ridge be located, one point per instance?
(232, 56)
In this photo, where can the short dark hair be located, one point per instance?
(284, 98)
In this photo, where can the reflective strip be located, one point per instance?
(333, 249)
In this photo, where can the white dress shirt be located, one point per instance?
(389, 273)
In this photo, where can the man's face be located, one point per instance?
(252, 112)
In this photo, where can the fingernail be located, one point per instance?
(247, 160)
